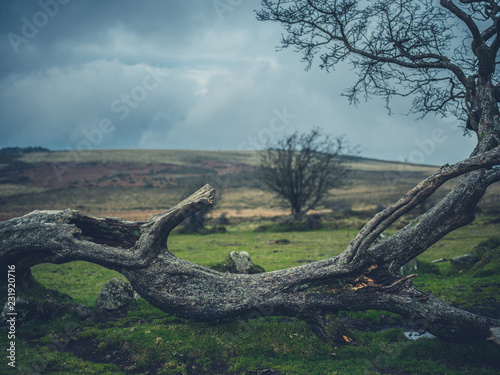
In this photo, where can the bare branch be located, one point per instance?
(388, 43)
(414, 197)
(466, 18)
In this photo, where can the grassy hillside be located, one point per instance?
(140, 339)
(137, 183)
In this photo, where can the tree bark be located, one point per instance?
(360, 278)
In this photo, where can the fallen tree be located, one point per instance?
(362, 277)
(408, 43)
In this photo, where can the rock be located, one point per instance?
(464, 260)
(262, 228)
(81, 311)
(25, 310)
(414, 335)
(239, 263)
(408, 267)
(440, 260)
(341, 206)
(286, 221)
(115, 294)
(495, 335)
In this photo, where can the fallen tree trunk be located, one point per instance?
(360, 278)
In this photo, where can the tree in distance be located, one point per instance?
(301, 169)
(444, 55)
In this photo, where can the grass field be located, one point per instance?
(141, 339)
(130, 183)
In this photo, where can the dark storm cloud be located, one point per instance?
(70, 24)
(180, 74)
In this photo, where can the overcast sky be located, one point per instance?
(191, 74)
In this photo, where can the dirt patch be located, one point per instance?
(256, 212)
(248, 212)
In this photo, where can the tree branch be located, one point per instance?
(139, 251)
(380, 222)
(63, 236)
(384, 41)
(465, 18)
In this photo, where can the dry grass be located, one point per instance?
(140, 156)
(115, 183)
(382, 166)
(7, 190)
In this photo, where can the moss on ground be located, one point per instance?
(144, 340)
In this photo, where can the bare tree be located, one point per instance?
(302, 168)
(444, 55)
(441, 53)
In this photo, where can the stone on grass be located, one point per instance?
(495, 335)
(238, 263)
(115, 294)
(440, 260)
(81, 311)
(464, 260)
(27, 310)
